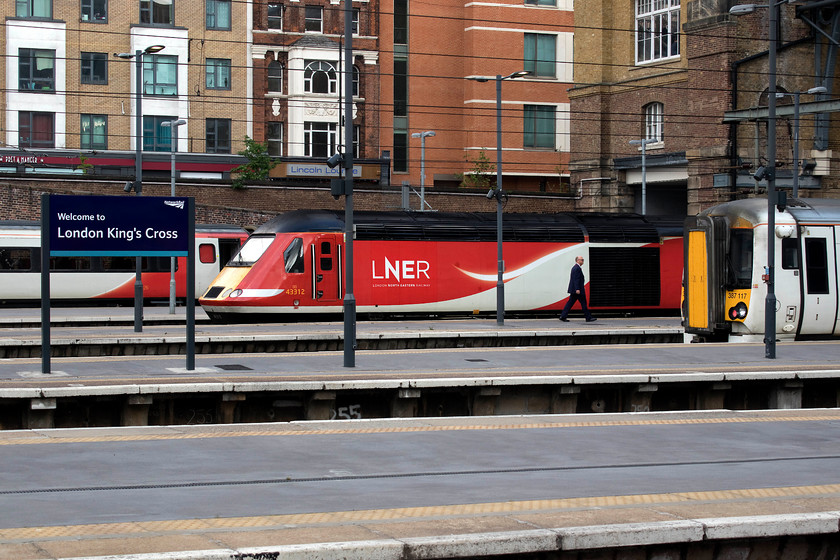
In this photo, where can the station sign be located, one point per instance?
(118, 225)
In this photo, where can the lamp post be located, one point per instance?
(497, 193)
(422, 136)
(138, 167)
(770, 300)
(812, 91)
(643, 143)
(173, 143)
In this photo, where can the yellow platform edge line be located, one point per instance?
(24, 534)
(46, 437)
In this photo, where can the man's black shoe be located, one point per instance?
(564, 320)
(591, 319)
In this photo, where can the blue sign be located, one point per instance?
(119, 225)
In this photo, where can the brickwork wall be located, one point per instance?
(251, 206)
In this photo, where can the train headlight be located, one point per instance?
(738, 312)
(235, 293)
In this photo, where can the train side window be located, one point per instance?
(790, 253)
(293, 256)
(326, 260)
(72, 264)
(816, 265)
(206, 253)
(119, 264)
(15, 258)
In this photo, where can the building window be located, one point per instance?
(400, 87)
(157, 138)
(160, 74)
(275, 16)
(218, 73)
(657, 29)
(356, 81)
(540, 2)
(94, 132)
(158, 12)
(355, 24)
(314, 19)
(36, 70)
(399, 159)
(218, 14)
(218, 136)
(275, 77)
(36, 130)
(94, 68)
(320, 139)
(320, 77)
(541, 54)
(539, 126)
(95, 10)
(401, 22)
(654, 121)
(33, 8)
(274, 139)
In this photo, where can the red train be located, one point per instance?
(105, 279)
(445, 263)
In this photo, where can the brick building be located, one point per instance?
(678, 75)
(426, 86)
(65, 89)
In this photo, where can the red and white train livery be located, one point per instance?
(446, 263)
(105, 279)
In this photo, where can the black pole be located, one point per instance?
(349, 298)
(191, 285)
(45, 283)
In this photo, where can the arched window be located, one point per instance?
(654, 121)
(320, 77)
(356, 81)
(275, 77)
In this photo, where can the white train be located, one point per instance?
(105, 279)
(724, 280)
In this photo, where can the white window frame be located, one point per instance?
(657, 30)
(654, 122)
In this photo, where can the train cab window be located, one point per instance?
(790, 253)
(252, 250)
(206, 253)
(326, 260)
(816, 265)
(293, 256)
(740, 264)
(15, 258)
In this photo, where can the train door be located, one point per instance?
(819, 301)
(326, 267)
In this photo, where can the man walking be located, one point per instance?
(577, 292)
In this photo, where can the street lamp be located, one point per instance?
(498, 194)
(138, 167)
(770, 300)
(643, 143)
(812, 91)
(173, 145)
(422, 136)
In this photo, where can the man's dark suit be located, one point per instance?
(577, 292)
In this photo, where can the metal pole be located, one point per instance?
(500, 281)
(422, 171)
(796, 144)
(138, 183)
(174, 148)
(349, 298)
(770, 301)
(644, 178)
